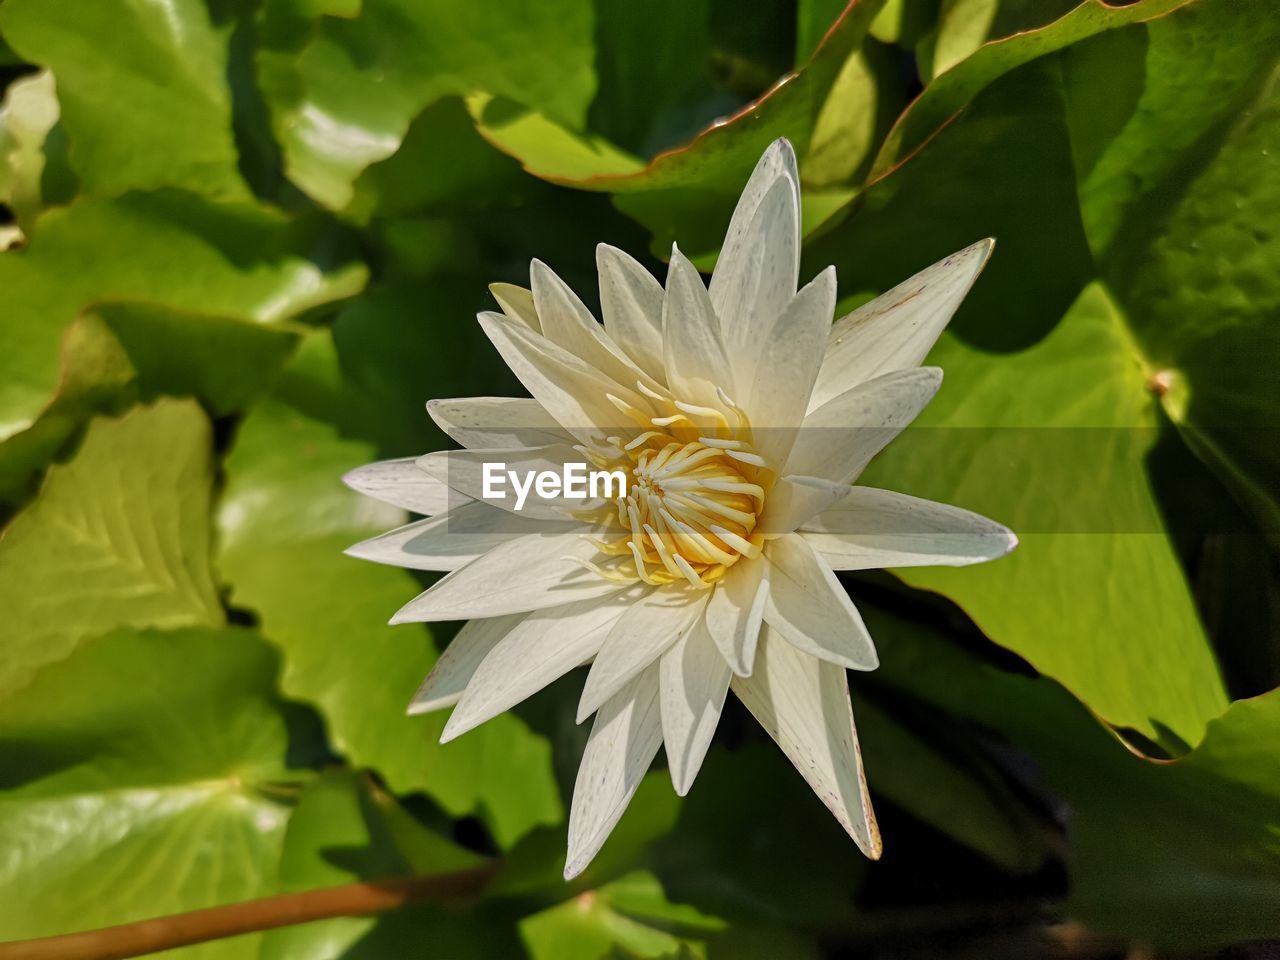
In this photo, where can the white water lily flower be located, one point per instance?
(741, 418)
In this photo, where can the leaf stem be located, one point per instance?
(214, 923)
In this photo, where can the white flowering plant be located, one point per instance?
(626, 327)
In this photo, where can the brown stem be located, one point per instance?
(214, 923)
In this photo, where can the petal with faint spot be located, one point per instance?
(803, 704)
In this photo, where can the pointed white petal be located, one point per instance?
(809, 609)
(631, 301)
(517, 303)
(495, 423)
(451, 540)
(896, 330)
(803, 703)
(778, 164)
(575, 394)
(567, 322)
(464, 471)
(623, 742)
(402, 483)
(839, 439)
(542, 648)
(871, 529)
(529, 573)
(695, 354)
(759, 282)
(694, 679)
(643, 633)
(735, 610)
(464, 654)
(795, 500)
(776, 395)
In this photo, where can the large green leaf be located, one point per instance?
(1181, 855)
(168, 249)
(149, 109)
(1180, 198)
(118, 537)
(344, 95)
(1094, 596)
(145, 775)
(285, 520)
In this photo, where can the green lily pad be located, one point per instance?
(146, 775)
(1094, 596)
(119, 536)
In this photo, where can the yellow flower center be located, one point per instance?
(695, 490)
(690, 510)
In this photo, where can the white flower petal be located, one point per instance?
(517, 303)
(776, 395)
(735, 610)
(896, 330)
(453, 671)
(451, 540)
(795, 500)
(529, 573)
(778, 164)
(694, 680)
(623, 742)
(808, 608)
(566, 321)
(403, 484)
(871, 529)
(463, 471)
(643, 633)
(631, 301)
(803, 703)
(495, 423)
(765, 282)
(839, 439)
(574, 393)
(540, 649)
(695, 354)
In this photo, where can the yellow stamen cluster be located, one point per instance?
(695, 491)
